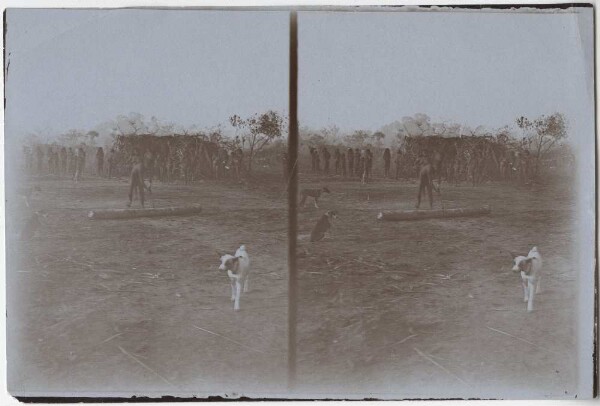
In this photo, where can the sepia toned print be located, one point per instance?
(146, 153)
(302, 203)
(452, 146)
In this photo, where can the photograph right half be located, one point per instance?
(446, 203)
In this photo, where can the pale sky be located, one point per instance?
(362, 70)
(357, 70)
(76, 69)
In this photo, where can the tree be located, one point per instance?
(92, 136)
(263, 128)
(131, 124)
(378, 138)
(331, 133)
(418, 125)
(238, 123)
(542, 134)
(358, 138)
(72, 137)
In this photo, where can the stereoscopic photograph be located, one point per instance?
(300, 203)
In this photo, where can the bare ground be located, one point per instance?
(431, 308)
(138, 306)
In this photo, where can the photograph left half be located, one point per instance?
(146, 202)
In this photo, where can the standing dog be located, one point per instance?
(237, 267)
(314, 193)
(323, 225)
(530, 268)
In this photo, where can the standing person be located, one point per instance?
(337, 161)
(137, 179)
(343, 163)
(326, 157)
(358, 160)
(100, 161)
(79, 164)
(387, 157)
(350, 154)
(63, 161)
(367, 165)
(111, 162)
(40, 158)
(57, 161)
(71, 162)
(398, 162)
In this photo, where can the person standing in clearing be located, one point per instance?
(100, 161)
(398, 162)
(350, 154)
(137, 179)
(387, 157)
(79, 164)
(337, 161)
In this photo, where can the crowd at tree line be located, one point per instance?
(66, 161)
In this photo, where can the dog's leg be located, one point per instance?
(246, 288)
(232, 290)
(316, 206)
(525, 289)
(238, 293)
(538, 288)
(531, 294)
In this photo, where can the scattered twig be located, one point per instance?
(438, 365)
(144, 365)
(520, 339)
(398, 342)
(368, 264)
(227, 338)
(110, 338)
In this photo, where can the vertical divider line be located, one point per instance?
(292, 199)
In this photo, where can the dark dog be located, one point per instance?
(323, 226)
(314, 193)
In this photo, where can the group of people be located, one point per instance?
(471, 163)
(62, 161)
(353, 163)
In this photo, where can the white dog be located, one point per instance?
(530, 268)
(237, 267)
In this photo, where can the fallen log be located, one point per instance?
(134, 213)
(432, 214)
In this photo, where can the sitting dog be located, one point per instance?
(530, 268)
(323, 225)
(237, 267)
(314, 193)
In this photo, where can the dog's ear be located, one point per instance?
(512, 255)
